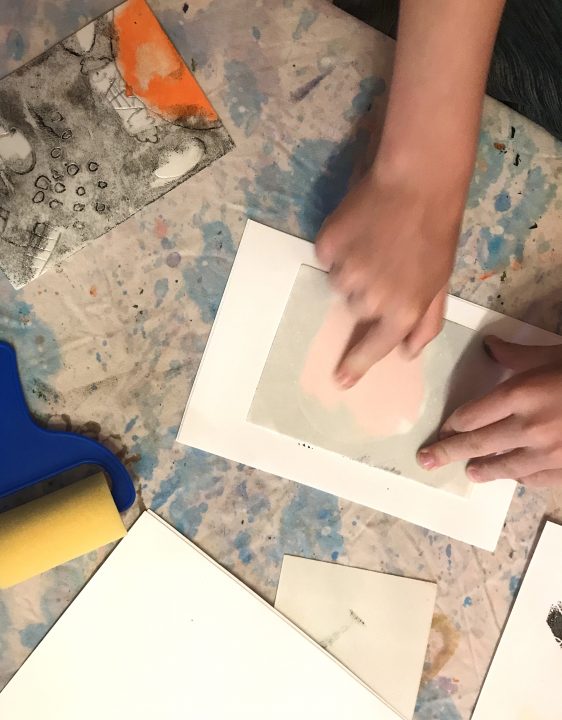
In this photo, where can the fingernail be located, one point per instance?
(426, 459)
(473, 473)
(344, 379)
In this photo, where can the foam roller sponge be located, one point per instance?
(55, 528)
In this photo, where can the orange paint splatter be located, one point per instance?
(160, 227)
(487, 275)
(515, 264)
(153, 69)
(94, 291)
(499, 146)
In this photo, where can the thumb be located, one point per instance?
(521, 357)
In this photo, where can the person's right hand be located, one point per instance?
(390, 247)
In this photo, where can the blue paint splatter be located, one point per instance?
(306, 20)
(448, 553)
(34, 342)
(32, 635)
(435, 703)
(187, 519)
(312, 187)
(243, 96)
(502, 202)
(160, 290)
(241, 543)
(197, 478)
(15, 45)
(98, 357)
(368, 89)
(335, 555)
(131, 424)
(310, 526)
(521, 490)
(498, 250)
(514, 582)
(467, 601)
(256, 32)
(205, 279)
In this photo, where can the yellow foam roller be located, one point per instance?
(53, 529)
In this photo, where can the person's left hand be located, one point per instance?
(516, 430)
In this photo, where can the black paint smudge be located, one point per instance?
(517, 160)
(554, 622)
(185, 7)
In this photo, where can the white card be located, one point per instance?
(375, 624)
(216, 417)
(162, 631)
(524, 681)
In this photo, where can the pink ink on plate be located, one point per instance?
(388, 400)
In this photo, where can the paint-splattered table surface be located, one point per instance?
(109, 345)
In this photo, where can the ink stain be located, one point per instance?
(185, 7)
(517, 160)
(301, 92)
(554, 622)
(173, 259)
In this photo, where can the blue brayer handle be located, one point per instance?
(30, 454)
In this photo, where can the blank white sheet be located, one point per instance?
(161, 631)
(376, 624)
(524, 681)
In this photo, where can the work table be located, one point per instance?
(109, 344)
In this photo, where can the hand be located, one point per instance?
(390, 247)
(516, 430)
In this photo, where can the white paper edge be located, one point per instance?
(214, 421)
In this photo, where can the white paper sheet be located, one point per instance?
(524, 681)
(215, 419)
(376, 624)
(161, 631)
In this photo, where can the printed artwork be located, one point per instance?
(523, 680)
(396, 408)
(97, 127)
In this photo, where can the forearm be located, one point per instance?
(441, 64)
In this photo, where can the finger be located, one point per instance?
(514, 464)
(428, 327)
(521, 357)
(543, 478)
(494, 438)
(344, 279)
(329, 244)
(496, 405)
(380, 338)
